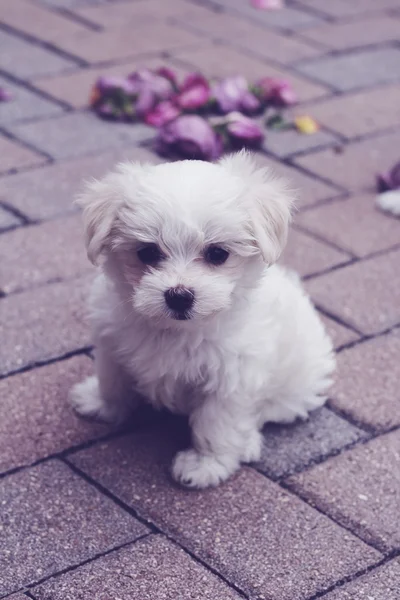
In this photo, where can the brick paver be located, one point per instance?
(79, 133)
(294, 447)
(318, 515)
(372, 400)
(380, 584)
(352, 34)
(261, 536)
(355, 167)
(308, 256)
(53, 188)
(36, 418)
(26, 60)
(356, 70)
(42, 253)
(354, 225)
(361, 489)
(343, 293)
(152, 568)
(14, 156)
(49, 526)
(44, 323)
(361, 113)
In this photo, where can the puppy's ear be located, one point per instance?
(101, 201)
(269, 201)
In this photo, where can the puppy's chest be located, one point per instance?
(171, 372)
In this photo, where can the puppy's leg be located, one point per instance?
(107, 396)
(224, 435)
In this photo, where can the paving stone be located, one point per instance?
(349, 8)
(291, 448)
(366, 295)
(362, 113)
(250, 36)
(52, 251)
(360, 489)
(37, 21)
(356, 166)
(14, 156)
(74, 88)
(339, 334)
(52, 188)
(367, 384)
(154, 36)
(54, 519)
(380, 584)
(24, 104)
(286, 18)
(8, 220)
(308, 256)
(339, 36)
(151, 569)
(256, 544)
(360, 69)
(26, 60)
(286, 143)
(354, 225)
(133, 14)
(80, 133)
(309, 190)
(217, 60)
(44, 323)
(36, 418)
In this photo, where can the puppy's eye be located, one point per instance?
(216, 255)
(150, 254)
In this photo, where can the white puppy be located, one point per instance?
(190, 313)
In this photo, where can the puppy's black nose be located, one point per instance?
(179, 299)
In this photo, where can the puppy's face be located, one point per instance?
(187, 238)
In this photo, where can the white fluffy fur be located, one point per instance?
(254, 349)
(390, 202)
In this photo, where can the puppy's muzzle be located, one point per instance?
(180, 300)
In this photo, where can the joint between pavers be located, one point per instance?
(11, 136)
(341, 582)
(75, 18)
(311, 10)
(17, 213)
(42, 44)
(321, 238)
(286, 485)
(337, 52)
(23, 83)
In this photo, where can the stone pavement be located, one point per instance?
(88, 512)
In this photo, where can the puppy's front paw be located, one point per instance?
(86, 400)
(195, 470)
(253, 448)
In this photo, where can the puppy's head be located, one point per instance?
(186, 239)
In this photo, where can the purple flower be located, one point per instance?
(233, 94)
(106, 85)
(194, 93)
(243, 131)
(5, 95)
(389, 181)
(162, 113)
(267, 4)
(275, 91)
(189, 136)
(169, 74)
(150, 80)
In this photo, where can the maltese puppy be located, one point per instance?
(190, 313)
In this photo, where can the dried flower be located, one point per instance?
(162, 113)
(233, 94)
(267, 4)
(189, 136)
(390, 180)
(243, 131)
(306, 124)
(271, 90)
(194, 93)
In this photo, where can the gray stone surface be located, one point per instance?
(53, 519)
(37, 420)
(25, 60)
(360, 489)
(24, 105)
(360, 69)
(44, 323)
(287, 143)
(339, 334)
(80, 133)
(258, 536)
(291, 448)
(151, 569)
(53, 188)
(382, 583)
(367, 383)
(286, 18)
